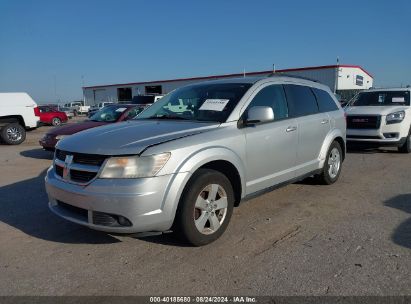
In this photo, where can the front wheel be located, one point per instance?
(205, 208)
(332, 166)
(56, 121)
(13, 134)
(406, 147)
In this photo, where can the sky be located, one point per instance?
(50, 49)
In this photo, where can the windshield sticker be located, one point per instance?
(398, 99)
(214, 104)
(121, 110)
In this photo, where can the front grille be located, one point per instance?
(81, 158)
(82, 176)
(363, 121)
(59, 170)
(83, 168)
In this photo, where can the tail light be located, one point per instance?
(36, 111)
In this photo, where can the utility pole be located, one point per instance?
(82, 88)
(55, 88)
(336, 75)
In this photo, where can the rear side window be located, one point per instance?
(325, 102)
(301, 100)
(272, 96)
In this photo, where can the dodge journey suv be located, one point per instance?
(185, 168)
(381, 118)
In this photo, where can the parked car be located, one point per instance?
(381, 117)
(51, 116)
(185, 170)
(107, 115)
(78, 107)
(97, 107)
(69, 112)
(17, 114)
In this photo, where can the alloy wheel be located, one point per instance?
(210, 209)
(14, 134)
(334, 163)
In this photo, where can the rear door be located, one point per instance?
(270, 147)
(45, 114)
(313, 126)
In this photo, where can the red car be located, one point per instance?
(109, 114)
(49, 115)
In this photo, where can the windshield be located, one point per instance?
(383, 98)
(108, 114)
(201, 102)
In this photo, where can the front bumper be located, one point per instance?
(148, 204)
(385, 135)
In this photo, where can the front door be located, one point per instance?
(271, 148)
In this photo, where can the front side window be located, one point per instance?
(325, 102)
(201, 102)
(108, 114)
(301, 100)
(383, 98)
(272, 96)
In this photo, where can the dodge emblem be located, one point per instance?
(67, 163)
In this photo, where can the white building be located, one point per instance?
(345, 80)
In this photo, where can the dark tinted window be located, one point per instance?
(143, 99)
(301, 100)
(325, 102)
(272, 96)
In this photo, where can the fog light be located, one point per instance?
(390, 135)
(123, 221)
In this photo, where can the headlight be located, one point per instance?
(395, 117)
(58, 137)
(134, 166)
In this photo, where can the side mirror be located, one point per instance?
(259, 114)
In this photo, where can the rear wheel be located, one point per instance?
(56, 121)
(406, 147)
(13, 134)
(332, 166)
(205, 208)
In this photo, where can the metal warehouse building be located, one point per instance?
(345, 80)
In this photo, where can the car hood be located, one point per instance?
(131, 137)
(374, 110)
(76, 127)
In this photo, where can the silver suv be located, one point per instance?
(185, 168)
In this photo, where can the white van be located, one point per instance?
(18, 113)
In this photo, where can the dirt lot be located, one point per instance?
(351, 238)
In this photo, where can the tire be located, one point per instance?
(13, 134)
(56, 121)
(406, 147)
(332, 166)
(206, 223)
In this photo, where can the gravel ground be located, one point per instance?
(351, 238)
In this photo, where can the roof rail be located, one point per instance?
(279, 74)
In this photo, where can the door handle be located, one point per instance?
(290, 129)
(324, 121)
